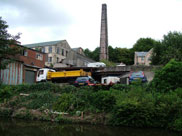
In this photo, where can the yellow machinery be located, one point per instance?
(66, 74)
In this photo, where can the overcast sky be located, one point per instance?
(78, 21)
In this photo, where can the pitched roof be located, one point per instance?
(141, 54)
(43, 44)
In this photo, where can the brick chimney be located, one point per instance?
(104, 54)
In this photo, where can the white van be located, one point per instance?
(96, 64)
(110, 80)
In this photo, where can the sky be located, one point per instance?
(79, 21)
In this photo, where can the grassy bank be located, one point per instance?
(121, 105)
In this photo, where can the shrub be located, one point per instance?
(83, 99)
(177, 125)
(169, 77)
(64, 103)
(103, 101)
(43, 100)
(43, 86)
(133, 108)
(119, 87)
(5, 93)
(68, 89)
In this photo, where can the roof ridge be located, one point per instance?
(44, 42)
(41, 44)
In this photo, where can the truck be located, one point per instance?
(46, 74)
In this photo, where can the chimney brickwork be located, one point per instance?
(104, 54)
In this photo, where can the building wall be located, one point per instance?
(76, 59)
(148, 57)
(140, 60)
(31, 58)
(27, 62)
(57, 57)
(13, 74)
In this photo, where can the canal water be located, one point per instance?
(14, 127)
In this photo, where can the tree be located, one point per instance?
(125, 56)
(169, 77)
(93, 54)
(6, 41)
(170, 48)
(144, 44)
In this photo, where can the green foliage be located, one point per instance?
(108, 63)
(119, 87)
(64, 103)
(93, 54)
(5, 93)
(5, 112)
(177, 125)
(132, 105)
(144, 44)
(119, 55)
(44, 86)
(140, 108)
(103, 101)
(169, 77)
(68, 89)
(7, 53)
(170, 48)
(41, 100)
(116, 55)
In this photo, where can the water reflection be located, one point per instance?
(12, 127)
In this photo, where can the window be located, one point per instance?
(43, 49)
(66, 53)
(142, 58)
(57, 60)
(49, 59)
(25, 53)
(39, 56)
(41, 72)
(50, 49)
(57, 50)
(63, 52)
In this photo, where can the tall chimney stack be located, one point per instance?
(104, 54)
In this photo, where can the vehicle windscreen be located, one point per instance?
(82, 79)
(41, 72)
(136, 74)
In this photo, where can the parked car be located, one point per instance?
(82, 81)
(134, 76)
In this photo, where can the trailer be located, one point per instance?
(60, 76)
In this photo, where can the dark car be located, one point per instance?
(82, 81)
(134, 76)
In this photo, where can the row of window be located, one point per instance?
(50, 59)
(58, 50)
(38, 55)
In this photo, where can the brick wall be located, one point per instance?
(31, 58)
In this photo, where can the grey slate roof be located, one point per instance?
(43, 44)
(75, 49)
(141, 54)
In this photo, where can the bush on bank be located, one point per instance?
(134, 105)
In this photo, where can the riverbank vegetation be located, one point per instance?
(157, 104)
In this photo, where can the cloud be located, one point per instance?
(34, 13)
